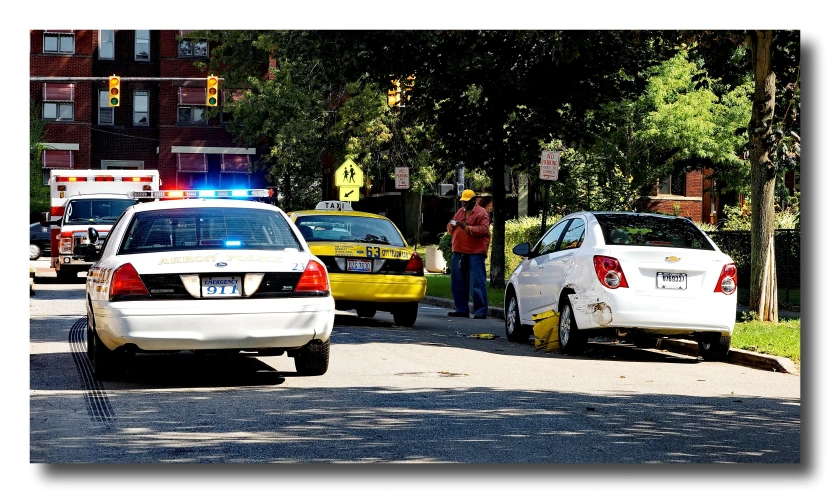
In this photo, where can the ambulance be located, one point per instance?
(81, 199)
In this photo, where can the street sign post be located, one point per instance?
(549, 167)
(402, 178)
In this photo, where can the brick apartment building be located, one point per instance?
(158, 125)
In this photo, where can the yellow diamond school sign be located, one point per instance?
(348, 179)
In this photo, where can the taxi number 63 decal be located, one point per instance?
(373, 252)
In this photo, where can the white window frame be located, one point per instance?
(101, 43)
(146, 94)
(191, 121)
(192, 42)
(59, 36)
(121, 164)
(135, 50)
(102, 109)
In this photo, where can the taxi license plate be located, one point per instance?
(221, 287)
(359, 265)
(671, 280)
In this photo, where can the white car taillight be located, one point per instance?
(609, 272)
(314, 278)
(126, 282)
(728, 280)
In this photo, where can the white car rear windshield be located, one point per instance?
(635, 230)
(350, 229)
(207, 228)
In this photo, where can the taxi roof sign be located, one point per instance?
(333, 205)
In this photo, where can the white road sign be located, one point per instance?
(402, 177)
(549, 167)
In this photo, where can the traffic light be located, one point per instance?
(115, 91)
(393, 96)
(212, 91)
(407, 87)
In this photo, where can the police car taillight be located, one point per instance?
(314, 279)
(415, 265)
(126, 282)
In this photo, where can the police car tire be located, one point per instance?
(406, 315)
(313, 358)
(103, 359)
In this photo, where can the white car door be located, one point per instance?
(533, 278)
(559, 264)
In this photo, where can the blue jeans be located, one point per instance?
(468, 274)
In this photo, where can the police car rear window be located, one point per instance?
(349, 229)
(207, 229)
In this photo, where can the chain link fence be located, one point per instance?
(738, 245)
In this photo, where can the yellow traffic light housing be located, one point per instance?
(212, 97)
(115, 90)
(393, 96)
(408, 85)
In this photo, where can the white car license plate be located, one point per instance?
(221, 287)
(359, 265)
(671, 280)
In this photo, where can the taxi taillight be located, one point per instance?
(314, 279)
(126, 282)
(415, 265)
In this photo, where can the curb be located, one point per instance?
(740, 357)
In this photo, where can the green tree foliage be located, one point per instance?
(38, 194)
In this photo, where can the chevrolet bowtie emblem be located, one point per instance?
(672, 259)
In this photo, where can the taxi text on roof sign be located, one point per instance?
(333, 205)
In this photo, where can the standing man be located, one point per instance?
(470, 230)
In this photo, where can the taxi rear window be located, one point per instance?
(207, 229)
(349, 229)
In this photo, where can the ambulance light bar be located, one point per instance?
(105, 178)
(196, 194)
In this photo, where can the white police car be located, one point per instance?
(206, 273)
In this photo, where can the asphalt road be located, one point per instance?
(427, 394)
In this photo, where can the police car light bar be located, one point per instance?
(197, 194)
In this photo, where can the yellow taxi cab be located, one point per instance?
(370, 265)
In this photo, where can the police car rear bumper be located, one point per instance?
(216, 324)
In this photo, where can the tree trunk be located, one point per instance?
(763, 288)
(411, 216)
(497, 240)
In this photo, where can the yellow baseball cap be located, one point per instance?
(467, 195)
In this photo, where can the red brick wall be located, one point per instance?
(173, 66)
(69, 133)
(687, 208)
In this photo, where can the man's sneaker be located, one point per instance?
(480, 317)
(458, 314)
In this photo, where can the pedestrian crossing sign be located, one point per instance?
(348, 175)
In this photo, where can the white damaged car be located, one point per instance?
(206, 274)
(621, 274)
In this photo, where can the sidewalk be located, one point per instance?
(736, 356)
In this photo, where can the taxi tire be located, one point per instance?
(406, 315)
(67, 277)
(366, 312)
(313, 358)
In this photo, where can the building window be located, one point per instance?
(141, 108)
(142, 45)
(235, 171)
(106, 113)
(672, 185)
(59, 102)
(192, 48)
(58, 42)
(192, 105)
(191, 170)
(234, 95)
(106, 45)
(55, 159)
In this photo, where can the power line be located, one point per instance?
(126, 135)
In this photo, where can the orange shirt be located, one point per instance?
(476, 237)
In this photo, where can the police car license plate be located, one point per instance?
(359, 265)
(671, 280)
(221, 287)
